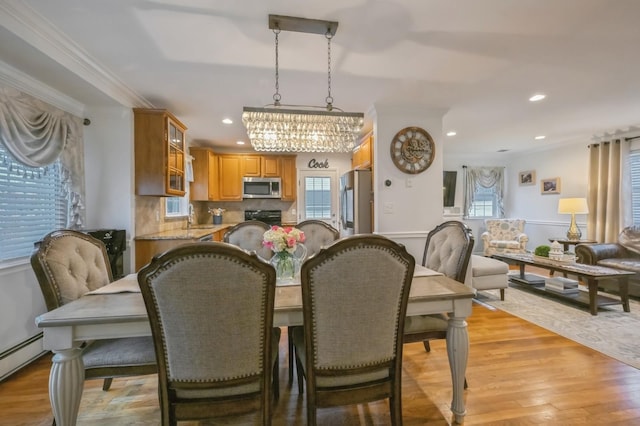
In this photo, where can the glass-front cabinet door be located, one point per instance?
(176, 159)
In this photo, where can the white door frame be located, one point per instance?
(332, 173)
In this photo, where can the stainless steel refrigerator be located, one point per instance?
(356, 201)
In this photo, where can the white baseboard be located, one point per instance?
(20, 355)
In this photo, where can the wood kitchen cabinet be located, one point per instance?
(159, 149)
(261, 166)
(205, 185)
(362, 154)
(289, 177)
(230, 174)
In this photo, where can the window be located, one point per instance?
(483, 192)
(33, 202)
(176, 206)
(634, 171)
(317, 197)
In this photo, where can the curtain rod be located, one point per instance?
(632, 138)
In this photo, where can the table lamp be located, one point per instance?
(573, 206)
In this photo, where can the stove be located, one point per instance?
(270, 217)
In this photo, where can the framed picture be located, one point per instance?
(550, 186)
(528, 177)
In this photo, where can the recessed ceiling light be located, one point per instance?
(451, 133)
(227, 121)
(538, 138)
(240, 142)
(537, 97)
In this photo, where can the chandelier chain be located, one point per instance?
(276, 96)
(329, 98)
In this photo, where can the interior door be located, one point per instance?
(318, 196)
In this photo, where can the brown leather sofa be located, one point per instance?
(623, 254)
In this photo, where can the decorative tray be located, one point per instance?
(566, 258)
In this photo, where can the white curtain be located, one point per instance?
(485, 177)
(606, 213)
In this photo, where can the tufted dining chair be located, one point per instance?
(248, 235)
(210, 307)
(318, 234)
(68, 264)
(354, 302)
(447, 250)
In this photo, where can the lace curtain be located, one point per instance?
(485, 177)
(37, 134)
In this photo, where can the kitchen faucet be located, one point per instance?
(190, 217)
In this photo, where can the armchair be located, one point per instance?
(504, 236)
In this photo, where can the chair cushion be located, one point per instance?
(421, 323)
(130, 351)
(513, 244)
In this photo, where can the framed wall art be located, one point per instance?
(528, 177)
(550, 186)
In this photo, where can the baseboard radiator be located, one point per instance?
(20, 355)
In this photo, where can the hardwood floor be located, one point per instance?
(518, 373)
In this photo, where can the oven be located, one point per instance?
(270, 217)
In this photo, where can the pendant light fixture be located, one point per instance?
(297, 128)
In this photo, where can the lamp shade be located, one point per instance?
(573, 206)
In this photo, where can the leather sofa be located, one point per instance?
(623, 254)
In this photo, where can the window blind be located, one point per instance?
(33, 202)
(634, 168)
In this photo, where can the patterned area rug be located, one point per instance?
(612, 332)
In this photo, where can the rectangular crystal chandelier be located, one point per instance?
(312, 129)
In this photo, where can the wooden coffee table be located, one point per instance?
(589, 273)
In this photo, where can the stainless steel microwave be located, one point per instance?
(254, 187)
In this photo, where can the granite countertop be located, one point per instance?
(195, 233)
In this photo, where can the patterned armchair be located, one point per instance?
(504, 236)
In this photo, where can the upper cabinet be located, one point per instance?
(159, 139)
(261, 165)
(362, 154)
(289, 177)
(230, 174)
(205, 175)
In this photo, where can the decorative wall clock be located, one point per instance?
(412, 150)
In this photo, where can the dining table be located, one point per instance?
(118, 310)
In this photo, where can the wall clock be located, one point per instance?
(412, 150)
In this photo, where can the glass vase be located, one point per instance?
(287, 265)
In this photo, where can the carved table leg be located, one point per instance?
(458, 352)
(66, 381)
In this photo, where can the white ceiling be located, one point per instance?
(479, 59)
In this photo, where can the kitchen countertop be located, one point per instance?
(195, 233)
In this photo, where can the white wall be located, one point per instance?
(109, 165)
(412, 205)
(568, 162)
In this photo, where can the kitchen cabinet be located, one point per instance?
(289, 177)
(261, 166)
(230, 174)
(362, 154)
(159, 149)
(205, 185)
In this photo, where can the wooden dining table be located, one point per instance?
(118, 310)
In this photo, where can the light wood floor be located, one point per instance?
(518, 373)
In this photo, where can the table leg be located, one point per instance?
(522, 270)
(458, 353)
(624, 293)
(66, 381)
(593, 295)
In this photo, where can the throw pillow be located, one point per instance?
(629, 238)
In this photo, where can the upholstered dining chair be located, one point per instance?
(248, 236)
(447, 250)
(210, 307)
(68, 264)
(354, 302)
(318, 234)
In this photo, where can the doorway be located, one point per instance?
(318, 198)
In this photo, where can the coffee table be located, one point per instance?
(589, 273)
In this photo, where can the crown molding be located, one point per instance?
(18, 80)
(33, 28)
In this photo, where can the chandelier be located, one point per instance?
(298, 128)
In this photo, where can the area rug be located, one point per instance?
(612, 332)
